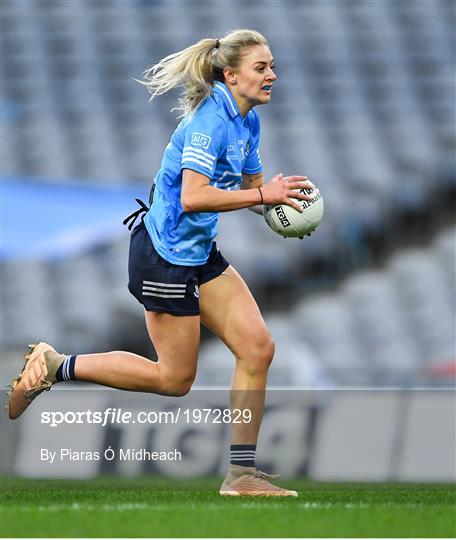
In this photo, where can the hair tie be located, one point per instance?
(217, 43)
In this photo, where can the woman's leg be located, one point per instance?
(229, 310)
(176, 340)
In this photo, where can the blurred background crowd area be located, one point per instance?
(363, 105)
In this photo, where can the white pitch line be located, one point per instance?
(123, 507)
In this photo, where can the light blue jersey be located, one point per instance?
(216, 141)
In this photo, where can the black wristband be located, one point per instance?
(261, 195)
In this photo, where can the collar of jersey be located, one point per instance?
(222, 90)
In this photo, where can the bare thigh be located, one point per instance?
(176, 340)
(229, 310)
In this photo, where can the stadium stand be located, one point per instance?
(379, 327)
(364, 105)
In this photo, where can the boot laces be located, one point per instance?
(262, 476)
(40, 387)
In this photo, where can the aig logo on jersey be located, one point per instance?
(231, 152)
(199, 139)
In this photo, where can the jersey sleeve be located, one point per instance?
(253, 163)
(203, 143)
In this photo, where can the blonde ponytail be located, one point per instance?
(197, 67)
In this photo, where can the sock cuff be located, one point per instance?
(243, 447)
(243, 455)
(66, 369)
(71, 363)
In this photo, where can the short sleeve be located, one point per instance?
(204, 137)
(253, 163)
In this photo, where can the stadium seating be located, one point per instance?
(351, 87)
(382, 327)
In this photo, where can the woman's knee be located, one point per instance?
(268, 348)
(177, 385)
(257, 353)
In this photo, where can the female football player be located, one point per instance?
(175, 269)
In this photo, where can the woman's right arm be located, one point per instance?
(199, 196)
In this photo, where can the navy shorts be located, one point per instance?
(165, 287)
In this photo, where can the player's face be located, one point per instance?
(252, 81)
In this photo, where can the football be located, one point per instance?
(290, 223)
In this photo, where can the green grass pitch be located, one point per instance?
(148, 507)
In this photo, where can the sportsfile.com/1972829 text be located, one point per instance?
(178, 415)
